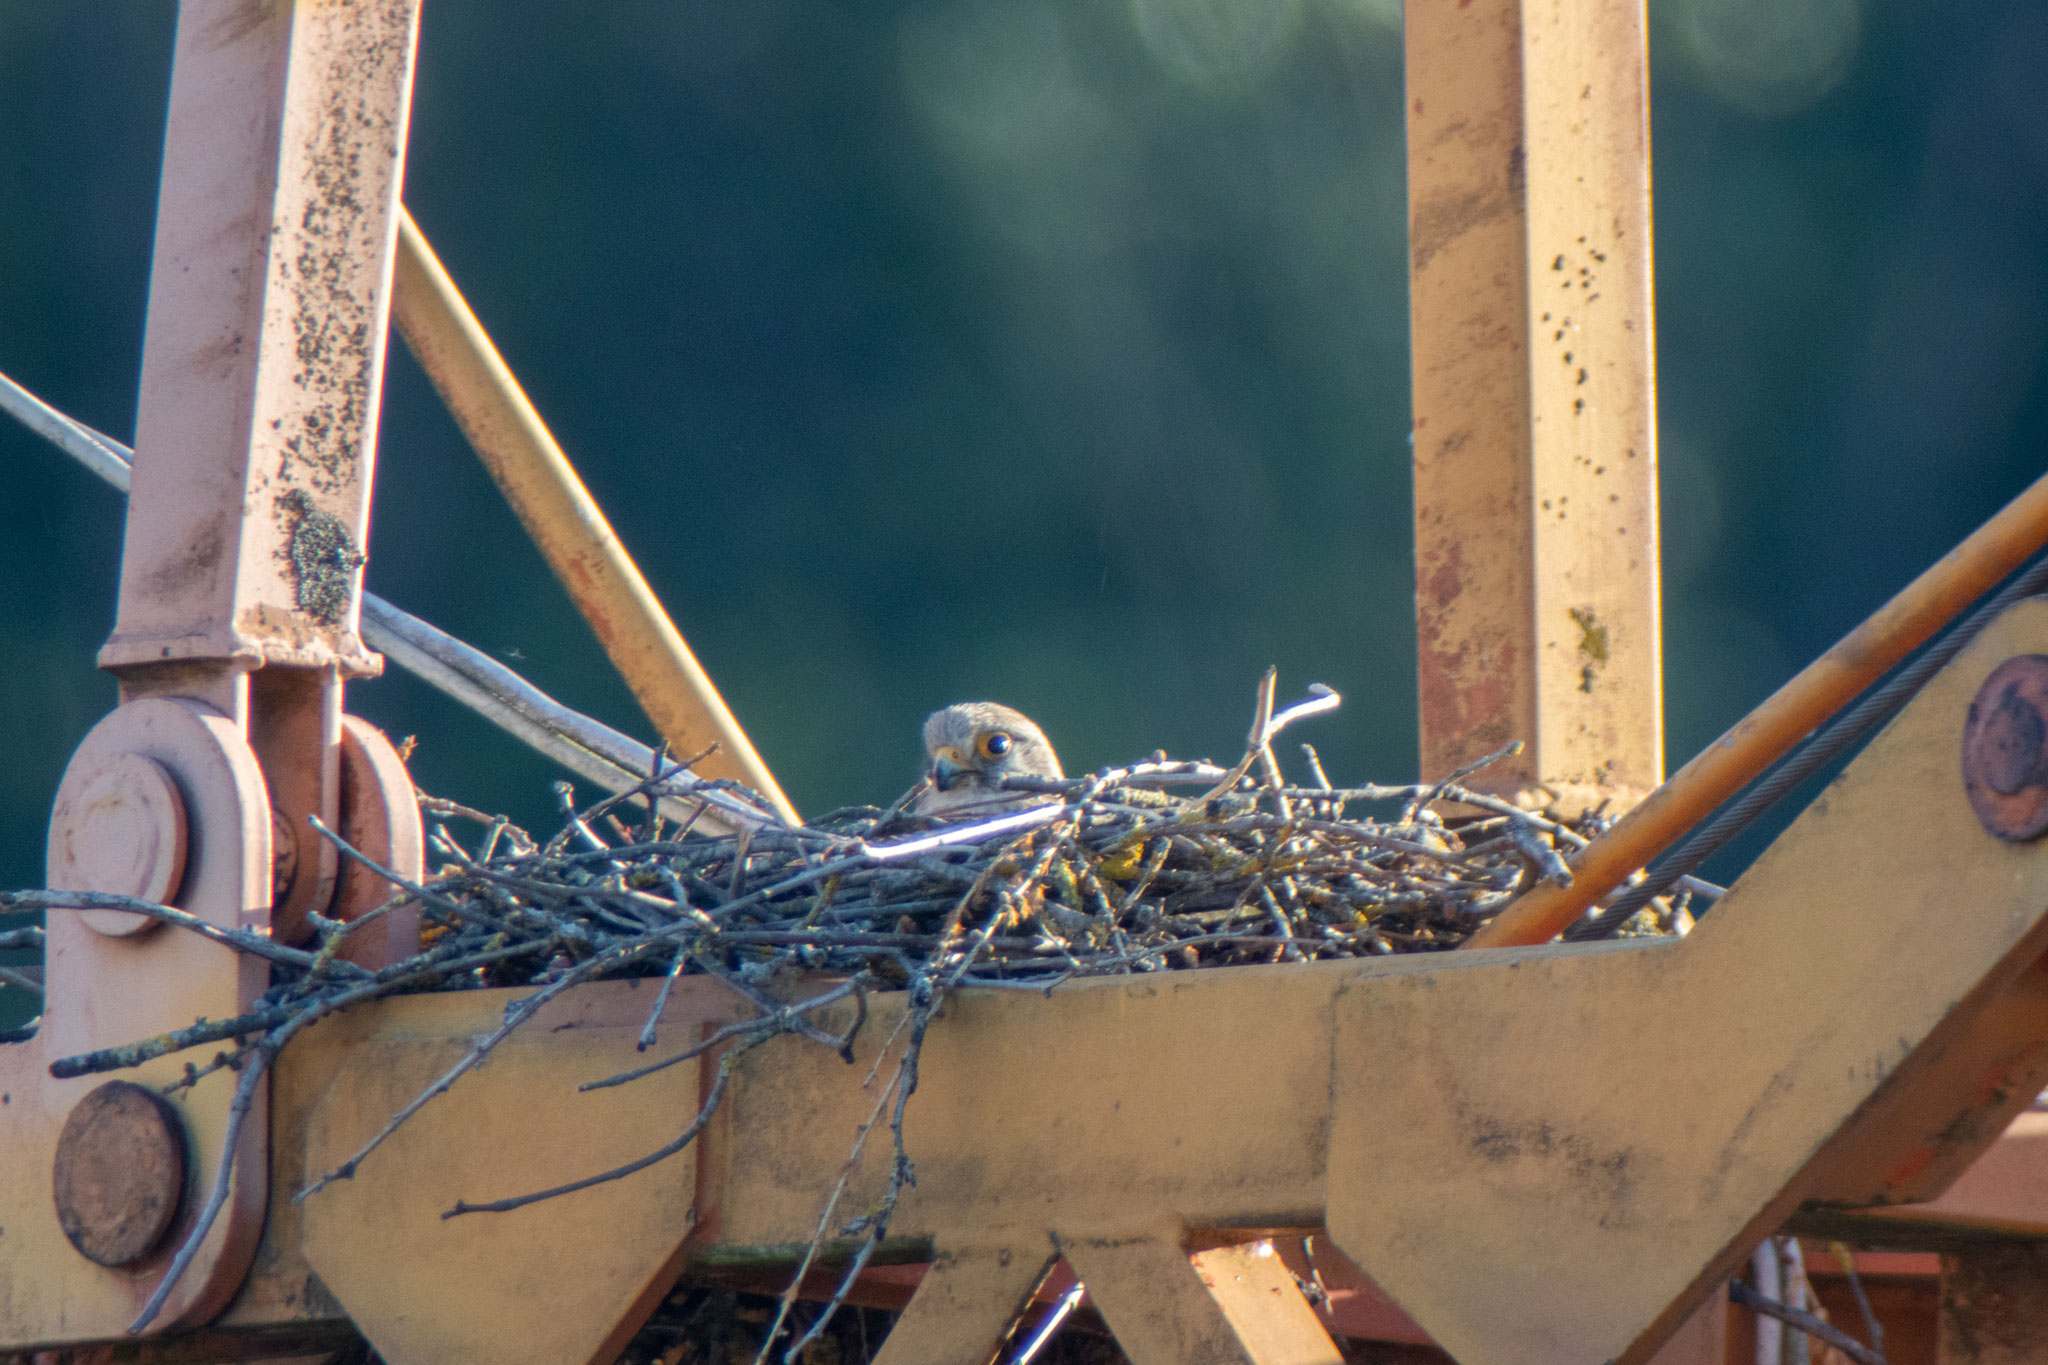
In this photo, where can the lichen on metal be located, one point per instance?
(323, 556)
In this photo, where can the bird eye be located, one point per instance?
(994, 744)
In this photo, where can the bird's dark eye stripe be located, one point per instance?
(995, 744)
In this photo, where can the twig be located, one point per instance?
(1740, 1292)
(9, 976)
(1262, 718)
(901, 1084)
(239, 939)
(668, 984)
(1542, 857)
(1847, 1260)
(1437, 790)
(784, 1020)
(661, 1153)
(515, 1014)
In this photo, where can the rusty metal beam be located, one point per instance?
(567, 524)
(1534, 395)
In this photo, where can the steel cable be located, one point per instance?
(1824, 744)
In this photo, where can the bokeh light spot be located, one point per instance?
(1217, 44)
(998, 77)
(1770, 57)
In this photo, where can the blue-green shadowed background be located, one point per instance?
(1053, 352)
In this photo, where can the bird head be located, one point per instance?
(970, 748)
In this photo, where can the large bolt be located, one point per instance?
(119, 827)
(2005, 749)
(120, 1173)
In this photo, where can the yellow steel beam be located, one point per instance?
(1872, 987)
(975, 1295)
(571, 531)
(1534, 395)
(1425, 1114)
(1820, 689)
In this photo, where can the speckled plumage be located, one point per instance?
(963, 765)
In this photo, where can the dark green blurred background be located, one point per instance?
(1054, 352)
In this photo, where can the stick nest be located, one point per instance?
(1156, 866)
(1113, 873)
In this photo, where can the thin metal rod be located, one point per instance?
(1820, 689)
(590, 749)
(565, 522)
(1820, 748)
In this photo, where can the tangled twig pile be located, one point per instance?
(1160, 865)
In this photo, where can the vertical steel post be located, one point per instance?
(1534, 394)
(241, 576)
(268, 307)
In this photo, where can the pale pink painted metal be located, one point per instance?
(268, 307)
(106, 991)
(119, 826)
(237, 623)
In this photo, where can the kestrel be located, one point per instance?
(970, 748)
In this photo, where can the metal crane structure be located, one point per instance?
(1484, 1133)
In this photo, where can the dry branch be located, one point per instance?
(1157, 866)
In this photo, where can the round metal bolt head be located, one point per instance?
(2005, 749)
(119, 827)
(120, 1173)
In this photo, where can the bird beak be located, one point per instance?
(947, 769)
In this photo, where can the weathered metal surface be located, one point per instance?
(1425, 1112)
(2005, 749)
(1534, 394)
(1419, 1111)
(1227, 1305)
(2004, 1193)
(965, 1306)
(105, 991)
(1994, 1306)
(490, 1286)
(1771, 1120)
(118, 826)
(295, 730)
(567, 525)
(1701, 1339)
(1820, 689)
(119, 1174)
(265, 340)
(380, 817)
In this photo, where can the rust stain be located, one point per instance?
(195, 566)
(1463, 697)
(1446, 578)
(1438, 222)
(239, 21)
(1917, 1161)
